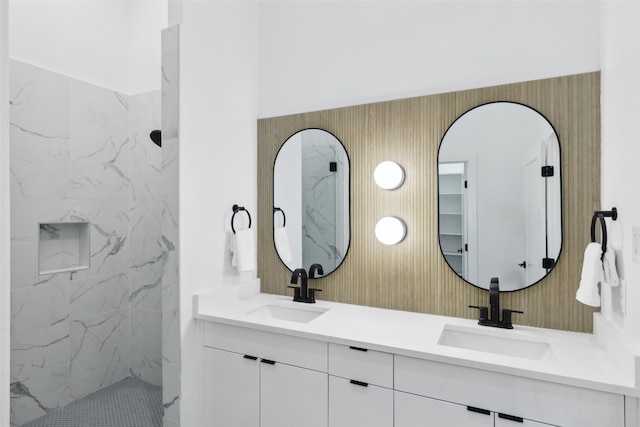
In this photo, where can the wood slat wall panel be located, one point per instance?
(413, 275)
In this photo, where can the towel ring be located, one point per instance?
(284, 217)
(236, 209)
(613, 214)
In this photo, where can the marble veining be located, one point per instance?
(98, 295)
(102, 332)
(99, 143)
(80, 152)
(320, 184)
(146, 290)
(37, 134)
(145, 183)
(146, 345)
(37, 89)
(34, 391)
(90, 374)
(171, 391)
(98, 105)
(170, 65)
(144, 116)
(145, 219)
(170, 333)
(38, 307)
(109, 255)
(39, 348)
(91, 180)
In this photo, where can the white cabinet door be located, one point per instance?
(418, 411)
(292, 396)
(505, 422)
(230, 395)
(358, 405)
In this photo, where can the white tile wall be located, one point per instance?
(35, 390)
(169, 220)
(82, 152)
(146, 345)
(98, 294)
(148, 256)
(99, 143)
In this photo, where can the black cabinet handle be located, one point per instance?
(510, 418)
(358, 348)
(360, 383)
(478, 410)
(268, 362)
(246, 356)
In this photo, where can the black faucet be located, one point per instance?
(494, 303)
(494, 299)
(315, 268)
(303, 293)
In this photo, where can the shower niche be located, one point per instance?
(63, 246)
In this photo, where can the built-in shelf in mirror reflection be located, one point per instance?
(63, 246)
(391, 230)
(499, 196)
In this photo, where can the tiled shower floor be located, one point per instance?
(128, 403)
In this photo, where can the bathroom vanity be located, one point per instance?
(269, 361)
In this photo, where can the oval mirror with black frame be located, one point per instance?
(500, 196)
(311, 201)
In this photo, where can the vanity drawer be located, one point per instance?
(352, 404)
(542, 401)
(361, 364)
(295, 351)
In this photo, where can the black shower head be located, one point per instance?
(156, 137)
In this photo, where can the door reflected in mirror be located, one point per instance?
(311, 201)
(499, 196)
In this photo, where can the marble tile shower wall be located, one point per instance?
(322, 237)
(170, 283)
(78, 153)
(148, 257)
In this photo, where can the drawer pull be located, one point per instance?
(357, 348)
(360, 383)
(511, 418)
(478, 410)
(268, 362)
(246, 356)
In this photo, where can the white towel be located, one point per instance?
(281, 239)
(232, 249)
(244, 251)
(610, 272)
(592, 273)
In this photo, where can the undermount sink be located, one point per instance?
(501, 342)
(299, 312)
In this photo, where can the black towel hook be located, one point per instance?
(284, 217)
(613, 214)
(236, 209)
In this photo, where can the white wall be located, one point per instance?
(147, 19)
(288, 197)
(620, 56)
(5, 287)
(113, 44)
(317, 55)
(218, 109)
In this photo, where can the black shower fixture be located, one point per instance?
(156, 137)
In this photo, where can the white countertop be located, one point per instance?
(575, 359)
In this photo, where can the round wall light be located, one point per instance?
(388, 175)
(390, 230)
